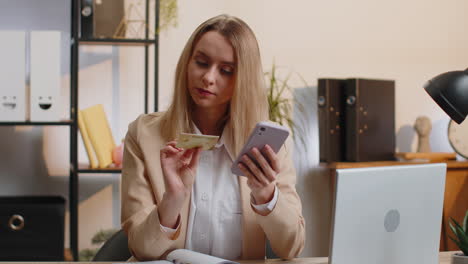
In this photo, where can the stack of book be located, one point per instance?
(97, 136)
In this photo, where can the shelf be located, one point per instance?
(86, 169)
(118, 42)
(452, 164)
(83, 171)
(29, 123)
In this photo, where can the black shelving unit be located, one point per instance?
(115, 42)
(28, 123)
(76, 42)
(86, 169)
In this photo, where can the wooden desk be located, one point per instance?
(444, 258)
(456, 191)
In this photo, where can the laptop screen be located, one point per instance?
(388, 215)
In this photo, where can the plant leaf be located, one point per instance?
(460, 234)
(168, 14)
(462, 237)
(458, 227)
(455, 240)
(460, 246)
(280, 108)
(465, 223)
(102, 235)
(453, 227)
(284, 85)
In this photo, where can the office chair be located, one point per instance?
(114, 249)
(269, 251)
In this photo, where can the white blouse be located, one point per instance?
(215, 219)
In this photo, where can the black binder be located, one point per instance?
(331, 119)
(87, 12)
(101, 18)
(370, 120)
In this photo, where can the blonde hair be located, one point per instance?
(248, 104)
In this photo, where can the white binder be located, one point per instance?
(45, 76)
(12, 76)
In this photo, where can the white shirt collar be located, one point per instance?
(221, 140)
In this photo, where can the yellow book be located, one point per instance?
(99, 134)
(89, 148)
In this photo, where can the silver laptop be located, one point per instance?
(388, 215)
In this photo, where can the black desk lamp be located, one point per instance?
(450, 91)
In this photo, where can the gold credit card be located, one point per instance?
(188, 141)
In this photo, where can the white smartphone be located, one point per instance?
(264, 133)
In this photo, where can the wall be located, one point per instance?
(408, 41)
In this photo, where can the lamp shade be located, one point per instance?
(450, 91)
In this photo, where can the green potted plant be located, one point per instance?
(279, 106)
(168, 12)
(460, 239)
(98, 239)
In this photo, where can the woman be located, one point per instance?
(175, 198)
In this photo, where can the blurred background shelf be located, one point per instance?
(87, 36)
(118, 42)
(28, 123)
(85, 168)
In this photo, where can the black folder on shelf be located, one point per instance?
(102, 18)
(331, 119)
(370, 120)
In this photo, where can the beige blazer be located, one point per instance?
(143, 189)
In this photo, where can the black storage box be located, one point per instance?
(32, 228)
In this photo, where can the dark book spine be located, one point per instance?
(370, 120)
(108, 16)
(331, 119)
(86, 19)
(352, 120)
(322, 99)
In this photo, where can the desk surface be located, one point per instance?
(443, 259)
(345, 165)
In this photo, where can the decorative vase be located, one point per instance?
(459, 258)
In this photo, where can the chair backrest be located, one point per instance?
(114, 249)
(270, 254)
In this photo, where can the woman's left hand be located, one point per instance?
(261, 177)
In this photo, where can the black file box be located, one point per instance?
(32, 228)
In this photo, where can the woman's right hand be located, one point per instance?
(179, 168)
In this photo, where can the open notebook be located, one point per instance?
(185, 256)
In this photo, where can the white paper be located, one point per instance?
(184, 256)
(147, 262)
